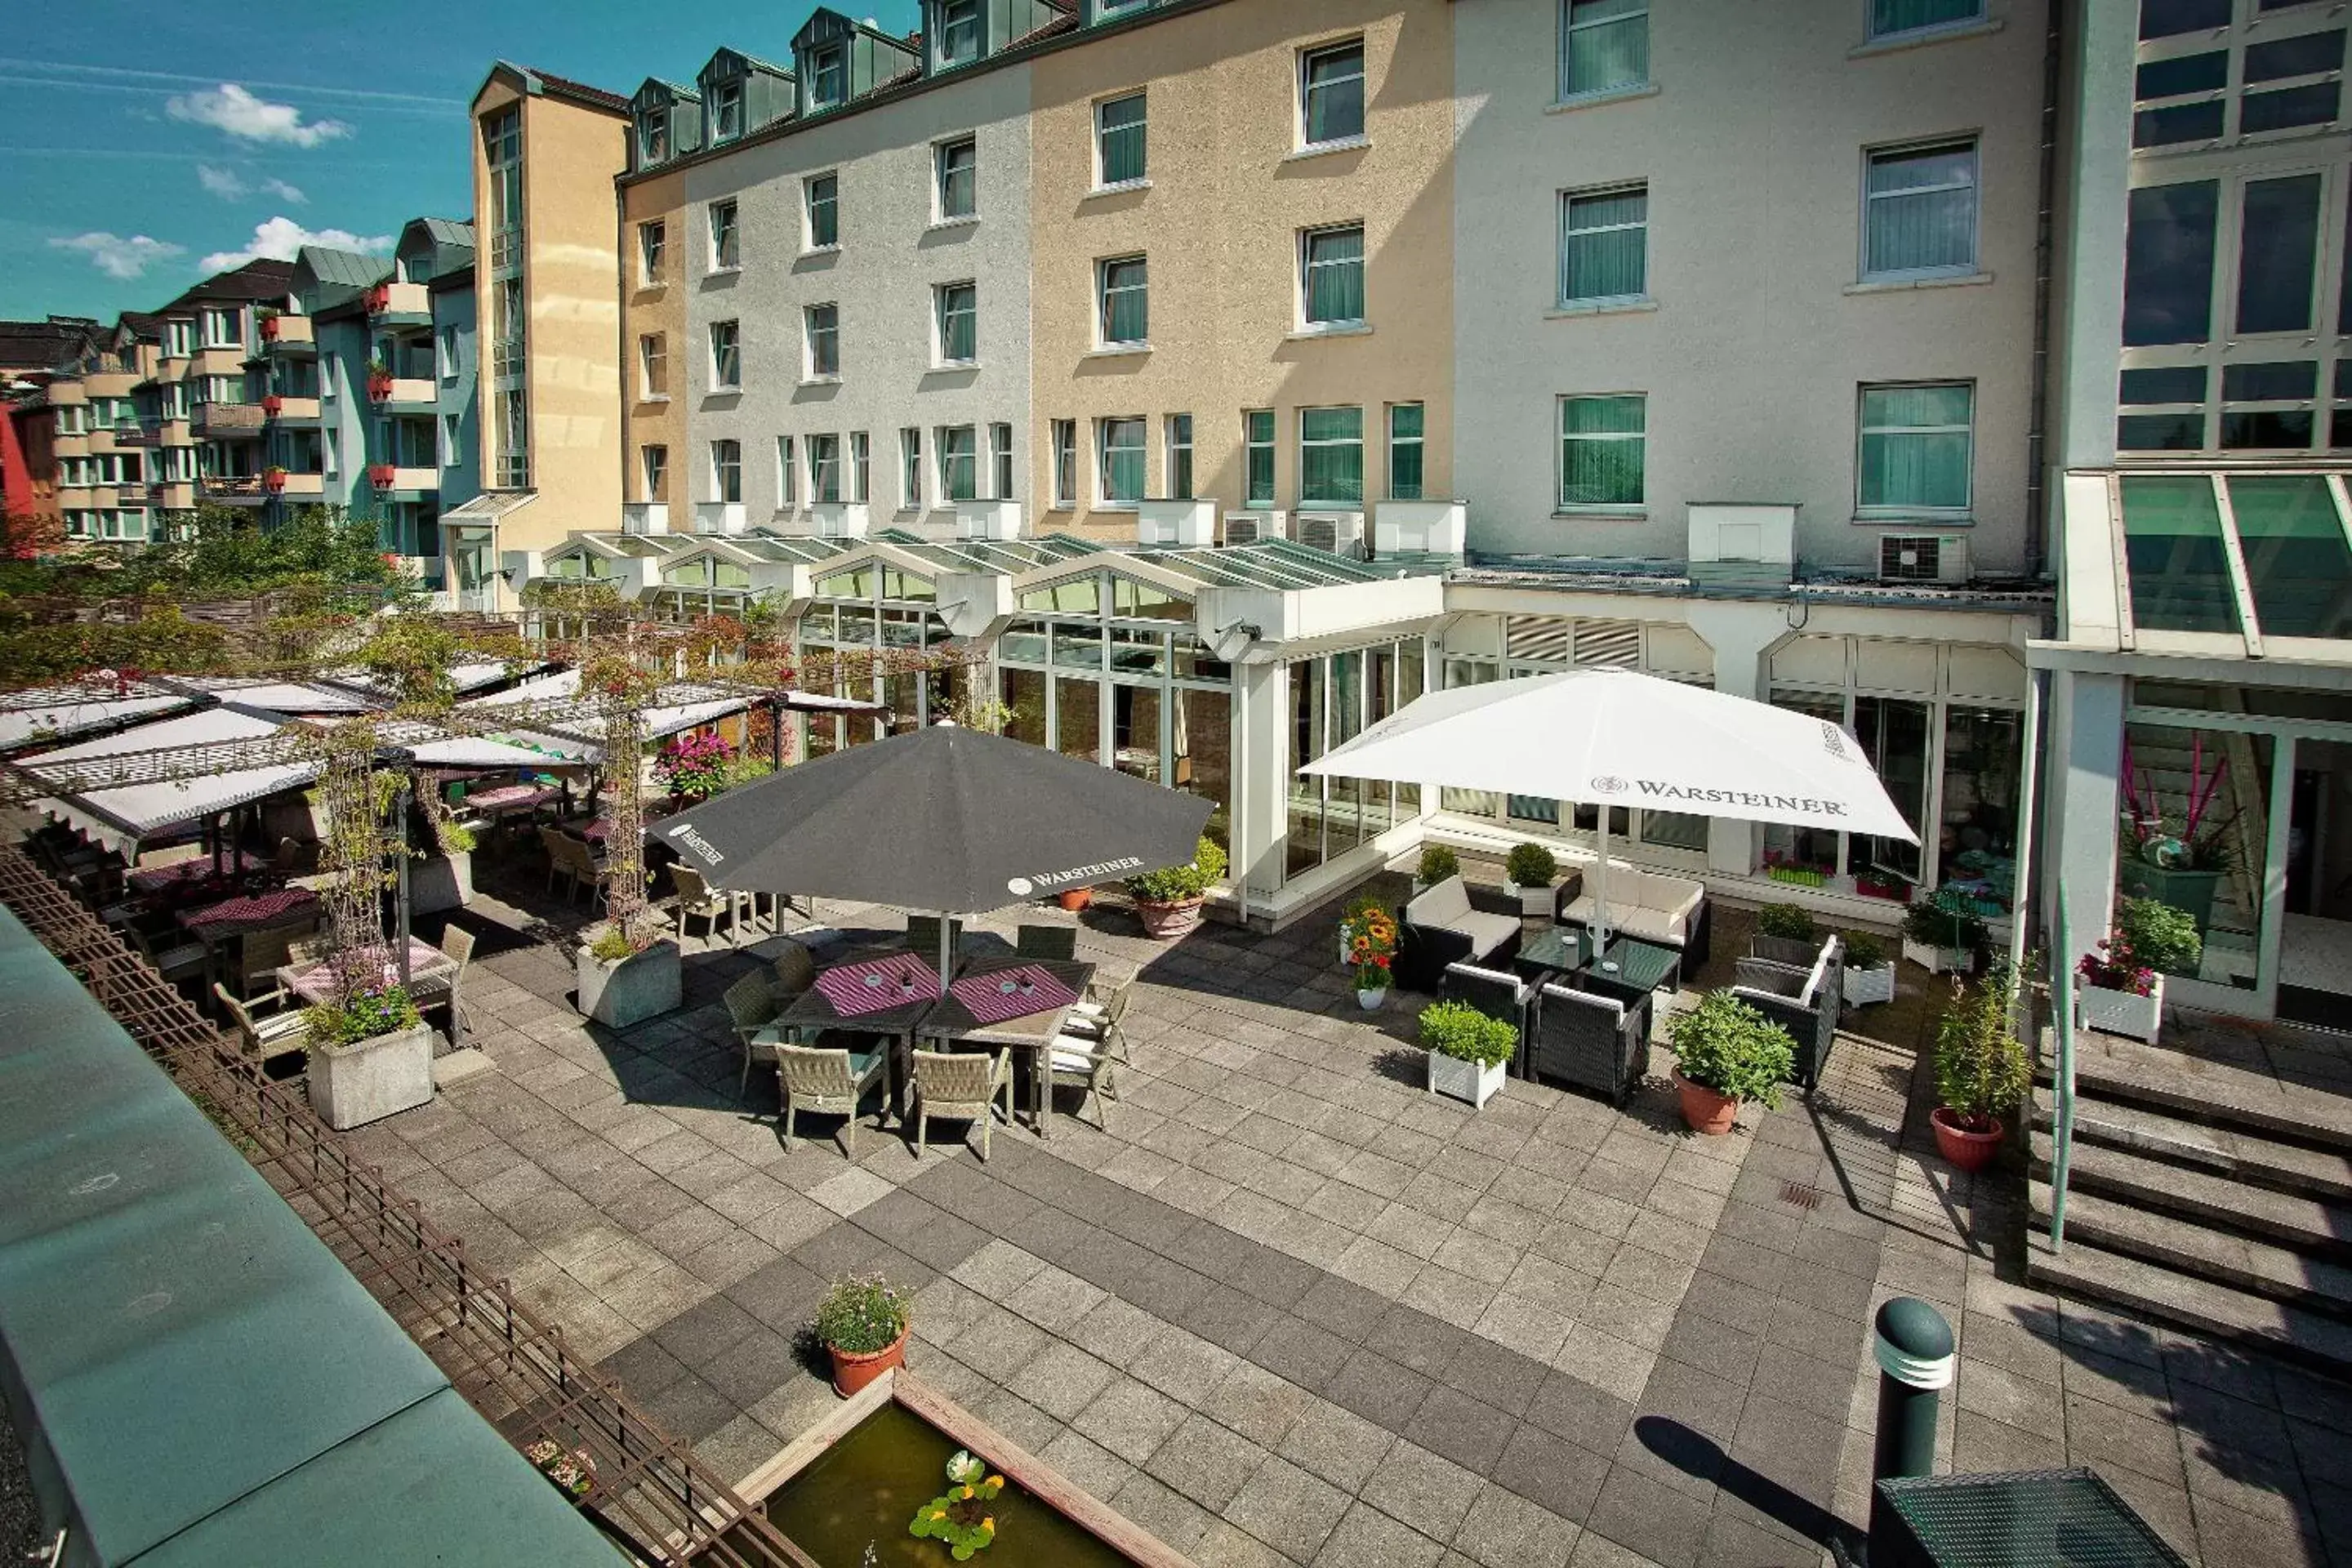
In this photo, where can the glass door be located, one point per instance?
(1894, 735)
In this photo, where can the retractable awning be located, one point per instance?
(47, 715)
(141, 805)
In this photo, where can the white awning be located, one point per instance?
(122, 815)
(50, 714)
(560, 721)
(283, 696)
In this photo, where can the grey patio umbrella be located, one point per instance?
(944, 819)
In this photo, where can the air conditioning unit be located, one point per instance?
(1923, 558)
(1250, 527)
(1340, 532)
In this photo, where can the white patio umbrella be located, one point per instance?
(1614, 737)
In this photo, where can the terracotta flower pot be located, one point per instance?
(1168, 919)
(1074, 899)
(1705, 1110)
(853, 1370)
(1965, 1149)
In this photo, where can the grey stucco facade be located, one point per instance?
(1756, 330)
(894, 252)
(457, 401)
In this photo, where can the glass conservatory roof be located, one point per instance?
(2250, 557)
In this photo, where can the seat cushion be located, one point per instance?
(1486, 933)
(1073, 1061)
(1637, 921)
(1443, 905)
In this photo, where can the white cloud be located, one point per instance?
(230, 109)
(278, 238)
(230, 185)
(119, 255)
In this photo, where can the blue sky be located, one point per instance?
(148, 139)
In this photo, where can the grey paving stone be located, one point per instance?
(1061, 1379)
(1207, 1462)
(1303, 1352)
(1130, 1419)
(1504, 1530)
(1469, 1432)
(1424, 1489)
(1289, 1509)
(1552, 1472)
(1648, 1518)
(1259, 1405)
(1086, 1463)
(1366, 1537)
(1413, 1338)
(1176, 1520)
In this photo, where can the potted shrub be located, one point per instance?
(1981, 1071)
(2176, 857)
(625, 978)
(693, 766)
(1727, 1052)
(1527, 873)
(862, 1322)
(1787, 922)
(1372, 949)
(1869, 970)
(1467, 1050)
(370, 1057)
(1438, 862)
(1168, 899)
(2123, 981)
(1942, 933)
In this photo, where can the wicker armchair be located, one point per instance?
(1046, 942)
(751, 1008)
(1590, 1040)
(1492, 993)
(578, 865)
(449, 990)
(265, 1037)
(962, 1086)
(175, 958)
(1089, 1051)
(1805, 1002)
(829, 1082)
(699, 898)
(795, 969)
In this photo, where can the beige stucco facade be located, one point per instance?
(570, 268)
(653, 306)
(1229, 194)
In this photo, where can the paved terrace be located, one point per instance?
(1293, 1309)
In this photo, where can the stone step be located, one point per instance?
(2241, 1155)
(2185, 1246)
(2200, 1089)
(2170, 1296)
(2305, 1224)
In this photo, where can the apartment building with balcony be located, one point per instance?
(547, 301)
(2200, 683)
(31, 353)
(315, 351)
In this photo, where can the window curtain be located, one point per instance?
(1606, 247)
(1602, 447)
(1123, 459)
(1122, 140)
(1331, 455)
(1608, 46)
(1335, 275)
(1335, 95)
(1405, 451)
(957, 314)
(1906, 460)
(1126, 303)
(1904, 16)
(1923, 210)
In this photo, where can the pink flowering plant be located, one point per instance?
(573, 1472)
(2149, 939)
(695, 764)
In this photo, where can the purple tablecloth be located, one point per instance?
(848, 989)
(253, 911)
(992, 997)
(318, 985)
(163, 879)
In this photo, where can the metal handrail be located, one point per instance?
(2062, 1121)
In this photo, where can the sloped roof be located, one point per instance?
(345, 266)
(43, 345)
(259, 279)
(448, 230)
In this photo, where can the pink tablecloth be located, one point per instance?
(255, 912)
(162, 879)
(992, 997)
(848, 988)
(510, 798)
(318, 985)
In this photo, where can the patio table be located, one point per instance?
(249, 913)
(839, 999)
(164, 879)
(1565, 953)
(314, 983)
(976, 1011)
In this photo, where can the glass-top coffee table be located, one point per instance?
(1637, 966)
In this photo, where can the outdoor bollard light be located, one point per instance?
(1915, 1358)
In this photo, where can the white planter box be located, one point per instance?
(2121, 1012)
(1463, 1080)
(352, 1086)
(1940, 960)
(441, 883)
(1865, 986)
(643, 986)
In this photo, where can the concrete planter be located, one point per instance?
(1940, 960)
(643, 985)
(354, 1085)
(1463, 1081)
(1169, 920)
(442, 882)
(1865, 986)
(2122, 1011)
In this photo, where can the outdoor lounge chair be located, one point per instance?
(1089, 1051)
(1440, 928)
(1805, 1002)
(1492, 993)
(1592, 1041)
(696, 897)
(751, 1008)
(267, 1036)
(1046, 942)
(1648, 905)
(962, 1086)
(830, 1082)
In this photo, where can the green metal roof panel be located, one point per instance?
(433, 1484)
(345, 266)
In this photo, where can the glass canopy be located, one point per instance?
(2255, 556)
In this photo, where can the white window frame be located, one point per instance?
(940, 151)
(1271, 447)
(1178, 443)
(1064, 434)
(726, 245)
(948, 26)
(653, 367)
(939, 295)
(1420, 444)
(1560, 438)
(808, 212)
(942, 460)
(1103, 339)
(1307, 265)
(179, 340)
(1307, 57)
(1568, 200)
(653, 471)
(822, 459)
(653, 252)
(725, 457)
(1907, 510)
(1975, 19)
(1870, 159)
(1568, 29)
(734, 331)
(1104, 500)
(719, 103)
(227, 317)
(911, 469)
(1360, 443)
(1144, 125)
(831, 55)
(810, 335)
(858, 483)
(787, 480)
(1000, 461)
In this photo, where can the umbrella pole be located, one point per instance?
(947, 942)
(1601, 895)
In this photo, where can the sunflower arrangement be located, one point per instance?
(1371, 948)
(964, 1515)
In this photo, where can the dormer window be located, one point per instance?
(828, 77)
(653, 138)
(958, 31)
(726, 111)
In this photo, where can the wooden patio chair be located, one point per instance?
(268, 1035)
(830, 1082)
(962, 1086)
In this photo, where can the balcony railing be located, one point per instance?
(390, 392)
(400, 305)
(288, 334)
(644, 517)
(141, 432)
(289, 483)
(227, 419)
(719, 517)
(231, 486)
(404, 479)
